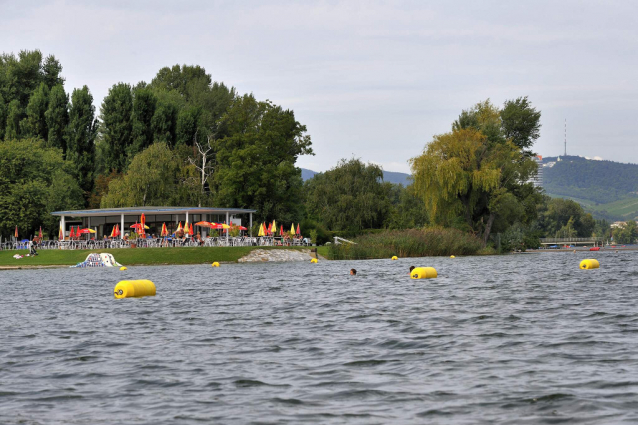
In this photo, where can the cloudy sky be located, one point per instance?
(371, 79)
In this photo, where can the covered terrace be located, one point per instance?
(103, 220)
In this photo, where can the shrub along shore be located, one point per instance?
(138, 256)
(409, 243)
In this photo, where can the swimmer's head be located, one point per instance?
(411, 268)
(353, 272)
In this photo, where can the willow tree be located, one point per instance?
(463, 176)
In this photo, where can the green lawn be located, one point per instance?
(152, 256)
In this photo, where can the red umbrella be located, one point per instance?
(205, 224)
(72, 233)
(40, 233)
(298, 232)
(281, 231)
(164, 230)
(117, 232)
(190, 229)
(270, 228)
(242, 228)
(16, 233)
(85, 231)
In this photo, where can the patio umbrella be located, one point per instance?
(281, 231)
(298, 231)
(112, 232)
(85, 231)
(61, 233)
(16, 233)
(205, 224)
(179, 227)
(117, 231)
(187, 229)
(164, 230)
(270, 228)
(292, 229)
(220, 226)
(242, 228)
(261, 230)
(138, 226)
(190, 229)
(72, 233)
(40, 233)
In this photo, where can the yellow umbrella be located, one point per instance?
(292, 229)
(261, 230)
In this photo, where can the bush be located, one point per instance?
(408, 243)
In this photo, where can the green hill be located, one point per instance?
(607, 189)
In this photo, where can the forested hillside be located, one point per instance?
(597, 181)
(607, 189)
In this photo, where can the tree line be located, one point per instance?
(185, 139)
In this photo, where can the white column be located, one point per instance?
(63, 227)
(227, 222)
(122, 226)
(250, 228)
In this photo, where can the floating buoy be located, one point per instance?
(215, 264)
(395, 258)
(134, 289)
(595, 249)
(123, 268)
(452, 256)
(589, 264)
(424, 273)
(314, 260)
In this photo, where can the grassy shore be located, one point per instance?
(409, 243)
(138, 256)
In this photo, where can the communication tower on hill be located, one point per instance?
(565, 137)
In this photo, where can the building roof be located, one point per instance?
(103, 212)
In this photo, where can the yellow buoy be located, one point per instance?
(314, 260)
(424, 273)
(395, 257)
(123, 268)
(589, 264)
(134, 289)
(452, 256)
(215, 264)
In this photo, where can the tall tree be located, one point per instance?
(116, 126)
(464, 175)
(350, 196)
(81, 133)
(144, 104)
(256, 160)
(57, 117)
(35, 125)
(51, 70)
(521, 123)
(14, 116)
(3, 117)
(164, 122)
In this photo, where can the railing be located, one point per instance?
(158, 243)
(571, 240)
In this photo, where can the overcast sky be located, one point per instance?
(371, 79)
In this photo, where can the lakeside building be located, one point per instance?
(537, 179)
(102, 220)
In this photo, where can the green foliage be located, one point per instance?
(34, 181)
(164, 122)
(349, 196)
(466, 174)
(116, 126)
(627, 233)
(57, 118)
(144, 105)
(408, 243)
(256, 160)
(80, 135)
(521, 123)
(35, 125)
(156, 176)
(407, 210)
(565, 218)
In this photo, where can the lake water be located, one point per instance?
(511, 339)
